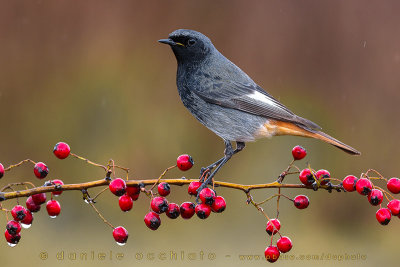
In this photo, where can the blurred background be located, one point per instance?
(92, 74)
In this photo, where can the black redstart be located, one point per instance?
(228, 102)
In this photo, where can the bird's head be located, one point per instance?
(189, 45)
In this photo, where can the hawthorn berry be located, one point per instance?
(306, 177)
(394, 207)
(301, 202)
(159, 204)
(207, 196)
(299, 152)
(202, 211)
(393, 185)
(173, 211)
(27, 221)
(349, 183)
(152, 220)
(184, 162)
(383, 216)
(133, 191)
(31, 205)
(57, 182)
(219, 204)
(117, 187)
(164, 189)
(363, 186)
(1, 170)
(187, 210)
(375, 197)
(12, 240)
(39, 199)
(135, 196)
(53, 208)
(120, 235)
(193, 186)
(284, 244)
(61, 150)
(272, 253)
(18, 212)
(40, 170)
(125, 202)
(13, 227)
(273, 226)
(322, 176)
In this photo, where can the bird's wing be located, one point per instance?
(251, 98)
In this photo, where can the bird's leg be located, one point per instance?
(203, 171)
(229, 152)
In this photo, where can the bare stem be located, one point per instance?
(100, 215)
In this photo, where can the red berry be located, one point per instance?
(125, 203)
(164, 189)
(1, 170)
(219, 204)
(299, 153)
(159, 204)
(120, 235)
(394, 207)
(173, 211)
(193, 186)
(133, 191)
(184, 162)
(284, 244)
(364, 186)
(135, 196)
(31, 205)
(27, 221)
(13, 227)
(321, 176)
(273, 226)
(272, 253)
(152, 220)
(306, 177)
(18, 212)
(202, 211)
(39, 199)
(187, 210)
(383, 216)
(12, 240)
(61, 150)
(207, 196)
(40, 170)
(53, 208)
(393, 185)
(375, 197)
(301, 202)
(58, 183)
(117, 187)
(349, 183)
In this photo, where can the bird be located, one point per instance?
(228, 102)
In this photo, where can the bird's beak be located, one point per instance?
(169, 42)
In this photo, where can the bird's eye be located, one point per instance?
(191, 42)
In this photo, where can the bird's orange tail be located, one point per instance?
(287, 128)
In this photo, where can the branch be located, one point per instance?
(180, 181)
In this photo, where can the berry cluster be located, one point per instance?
(375, 194)
(22, 216)
(159, 203)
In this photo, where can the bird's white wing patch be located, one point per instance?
(261, 97)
